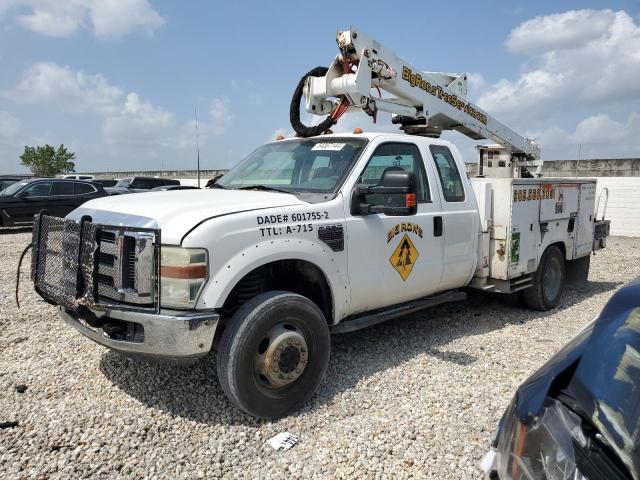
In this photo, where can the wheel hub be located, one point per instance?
(284, 358)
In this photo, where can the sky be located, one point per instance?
(119, 81)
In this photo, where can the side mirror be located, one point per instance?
(396, 195)
(22, 194)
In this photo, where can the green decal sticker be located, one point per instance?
(515, 247)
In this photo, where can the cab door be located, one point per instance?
(29, 201)
(393, 259)
(62, 199)
(460, 220)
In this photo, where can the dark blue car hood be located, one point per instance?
(600, 370)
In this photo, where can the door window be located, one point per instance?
(452, 187)
(146, 183)
(396, 157)
(62, 188)
(39, 189)
(82, 188)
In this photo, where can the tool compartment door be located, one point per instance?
(558, 200)
(584, 221)
(525, 229)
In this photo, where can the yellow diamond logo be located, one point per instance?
(404, 257)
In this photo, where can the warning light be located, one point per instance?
(410, 200)
(357, 130)
(279, 137)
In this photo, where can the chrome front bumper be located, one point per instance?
(169, 335)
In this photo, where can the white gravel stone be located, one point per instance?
(414, 398)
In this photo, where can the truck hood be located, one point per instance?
(178, 212)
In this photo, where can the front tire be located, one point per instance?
(273, 354)
(547, 282)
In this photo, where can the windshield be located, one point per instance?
(123, 183)
(5, 183)
(304, 165)
(12, 189)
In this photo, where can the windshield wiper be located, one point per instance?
(265, 188)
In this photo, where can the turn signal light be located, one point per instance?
(357, 130)
(410, 200)
(183, 272)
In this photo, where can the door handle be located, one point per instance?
(437, 226)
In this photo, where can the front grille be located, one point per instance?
(126, 266)
(85, 263)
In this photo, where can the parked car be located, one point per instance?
(577, 417)
(139, 184)
(6, 180)
(164, 188)
(22, 200)
(105, 182)
(76, 176)
(212, 182)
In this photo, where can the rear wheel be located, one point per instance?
(547, 281)
(273, 354)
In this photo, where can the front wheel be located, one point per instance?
(273, 354)
(547, 282)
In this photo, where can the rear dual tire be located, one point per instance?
(273, 354)
(547, 282)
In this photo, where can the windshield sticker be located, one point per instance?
(328, 146)
(404, 257)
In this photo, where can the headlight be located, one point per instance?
(183, 272)
(544, 449)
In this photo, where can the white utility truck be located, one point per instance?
(320, 234)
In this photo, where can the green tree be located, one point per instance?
(47, 161)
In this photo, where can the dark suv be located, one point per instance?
(139, 184)
(22, 200)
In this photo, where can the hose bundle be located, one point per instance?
(294, 112)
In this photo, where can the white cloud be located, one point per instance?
(139, 122)
(9, 127)
(580, 57)
(568, 30)
(221, 116)
(576, 63)
(59, 86)
(595, 136)
(63, 18)
(133, 129)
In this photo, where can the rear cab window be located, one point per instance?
(452, 186)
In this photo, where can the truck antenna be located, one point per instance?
(195, 111)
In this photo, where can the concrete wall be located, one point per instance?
(623, 208)
(179, 174)
(611, 167)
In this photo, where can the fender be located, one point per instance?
(222, 281)
(236, 246)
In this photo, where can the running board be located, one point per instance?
(373, 318)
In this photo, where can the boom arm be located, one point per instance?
(423, 100)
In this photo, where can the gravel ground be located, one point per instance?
(418, 397)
